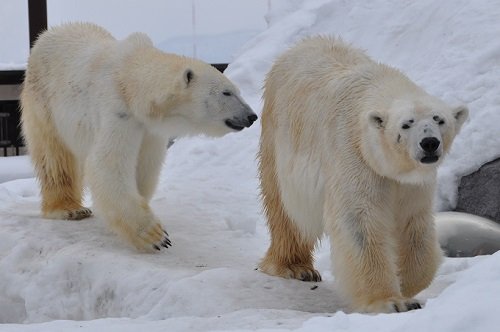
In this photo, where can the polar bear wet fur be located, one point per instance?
(350, 147)
(101, 109)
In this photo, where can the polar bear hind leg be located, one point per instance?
(290, 254)
(58, 172)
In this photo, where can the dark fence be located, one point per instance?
(10, 134)
(10, 131)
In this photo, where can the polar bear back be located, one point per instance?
(70, 65)
(325, 71)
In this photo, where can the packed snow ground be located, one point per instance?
(60, 275)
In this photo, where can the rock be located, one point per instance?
(479, 192)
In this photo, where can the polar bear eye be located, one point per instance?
(438, 120)
(405, 126)
(227, 93)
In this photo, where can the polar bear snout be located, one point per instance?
(238, 123)
(430, 147)
(237, 113)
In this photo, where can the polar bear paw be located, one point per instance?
(294, 271)
(73, 214)
(152, 238)
(392, 305)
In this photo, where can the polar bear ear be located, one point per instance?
(188, 76)
(460, 113)
(376, 119)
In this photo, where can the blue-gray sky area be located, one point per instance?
(160, 19)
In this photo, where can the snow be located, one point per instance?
(61, 275)
(15, 167)
(219, 48)
(14, 48)
(13, 65)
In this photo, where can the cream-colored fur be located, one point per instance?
(343, 151)
(95, 106)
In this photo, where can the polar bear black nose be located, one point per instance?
(430, 144)
(252, 118)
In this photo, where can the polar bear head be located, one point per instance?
(214, 103)
(180, 96)
(408, 140)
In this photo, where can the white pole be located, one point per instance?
(269, 7)
(193, 20)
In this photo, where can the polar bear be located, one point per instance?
(101, 109)
(350, 147)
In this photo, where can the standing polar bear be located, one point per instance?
(350, 147)
(95, 106)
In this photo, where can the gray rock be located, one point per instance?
(479, 192)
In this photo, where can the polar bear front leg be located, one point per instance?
(419, 251)
(151, 157)
(364, 254)
(111, 167)
(420, 254)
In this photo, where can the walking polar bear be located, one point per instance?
(350, 147)
(95, 106)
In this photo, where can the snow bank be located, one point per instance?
(15, 167)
